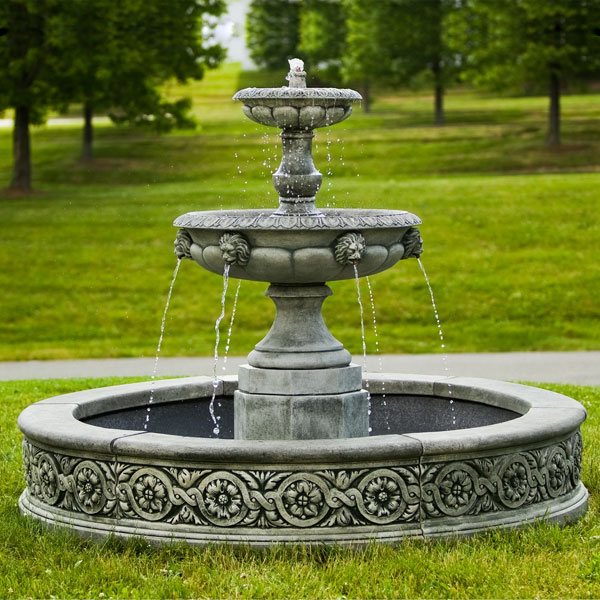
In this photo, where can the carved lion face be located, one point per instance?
(235, 249)
(349, 248)
(228, 252)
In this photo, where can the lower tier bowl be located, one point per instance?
(446, 457)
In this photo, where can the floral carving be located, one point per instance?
(89, 489)
(223, 499)
(183, 243)
(575, 454)
(235, 249)
(382, 496)
(302, 498)
(150, 493)
(337, 95)
(514, 483)
(28, 466)
(349, 248)
(557, 471)
(328, 219)
(48, 479)
(456, 489)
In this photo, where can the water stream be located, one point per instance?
(362, 331)
(215, 383)
(374, 315)
(160, 339)
(442, 341)
(229, 331)
(377, 350)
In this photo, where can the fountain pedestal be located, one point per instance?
(299, 383)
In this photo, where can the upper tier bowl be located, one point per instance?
(298, 249)
(297, 108)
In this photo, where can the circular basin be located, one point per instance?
(499, 455)
(297, 108)
(298, 248)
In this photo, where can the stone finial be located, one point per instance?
(183, 243)
(413, 244)
(349, 248)
(235, 249)
(297, 74)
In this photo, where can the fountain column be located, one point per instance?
(299, 382)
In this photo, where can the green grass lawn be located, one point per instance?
(511, 228)
(536, 562)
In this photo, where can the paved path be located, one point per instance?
(549, 367)
(61, 121)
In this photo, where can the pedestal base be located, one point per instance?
(299, 383)
(301, 417)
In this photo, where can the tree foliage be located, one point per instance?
(26, 73)
(528, 43)
(393, 42)
(106, 55)
(323, 37)
(114, 55)
(273, 32)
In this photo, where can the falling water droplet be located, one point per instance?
(441, 336)
(229, 331)
(364, 342)
(211, 406)
(158, 347)
(377, 349)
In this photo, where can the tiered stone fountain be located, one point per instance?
(299, 458)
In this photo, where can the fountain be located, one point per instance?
(305, 452)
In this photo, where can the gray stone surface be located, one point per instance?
(520, 457)
(297, 249)
(297, 176)
(387, 488)
(300, 381)
(301, 417)
(299, 338)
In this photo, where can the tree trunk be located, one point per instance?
(439, 118)
(554, 116)
(366, 94)
(439, 105)
(87, 150)
(21, 179)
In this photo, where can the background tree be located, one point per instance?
(26, 75)
(414, 35)
(272, 32)
(362, 62)
(530, 42)
(323, 38)
(116, 54)
(395, 42)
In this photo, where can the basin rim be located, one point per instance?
(256, 95)
(327, 219)
(545, 415)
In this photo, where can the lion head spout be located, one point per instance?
(413, 244)
(183, 243)
(349, 248)
(235, 249)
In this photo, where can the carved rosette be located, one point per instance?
(256, 498)
(498, 483)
